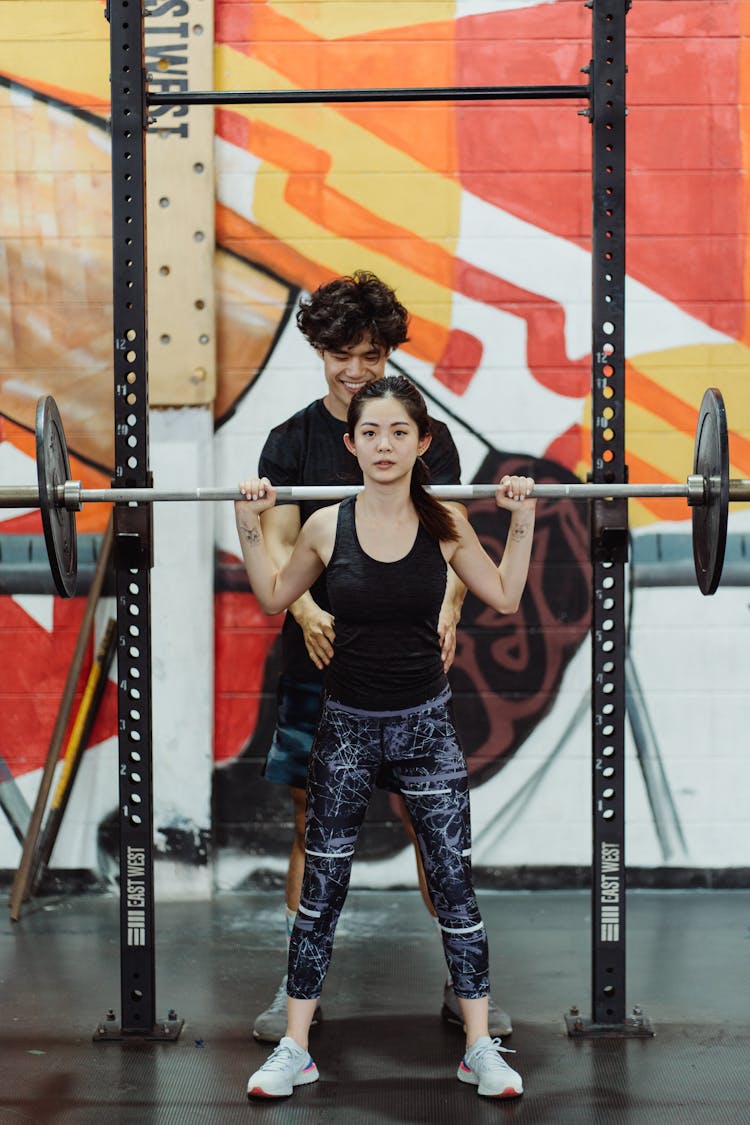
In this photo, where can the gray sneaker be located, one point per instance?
(500, 1025)
(270, 1025)
(483, 1066)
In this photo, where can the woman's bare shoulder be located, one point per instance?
(322, 522)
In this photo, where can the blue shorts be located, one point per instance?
(296, 723)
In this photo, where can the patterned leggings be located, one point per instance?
(421, 745)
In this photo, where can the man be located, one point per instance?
(353, 323)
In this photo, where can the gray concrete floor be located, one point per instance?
(384, 1055)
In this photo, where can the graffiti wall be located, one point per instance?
(479, 215)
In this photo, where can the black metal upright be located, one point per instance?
(132, 536)
(609, 530)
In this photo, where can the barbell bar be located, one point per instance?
(387, 94)
(72, 495)
(708, 491)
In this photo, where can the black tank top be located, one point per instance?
(387, 650)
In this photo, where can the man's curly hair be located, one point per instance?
(340, 313)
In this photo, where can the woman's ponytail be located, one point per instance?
(434, 516)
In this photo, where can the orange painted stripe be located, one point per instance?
(642, 472)
(94, 516)
(423, 55)
(329, 208)
(336, 212)
(332, 210)
(319, 202)
(275, 145)
(253, 244)
(249, 241)
(651, 396)
(667, 508)
(62, 93)
(381, 59)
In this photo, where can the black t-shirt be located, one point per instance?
(308, 449)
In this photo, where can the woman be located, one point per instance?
(386, 554)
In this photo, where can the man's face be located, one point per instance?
(349, 369)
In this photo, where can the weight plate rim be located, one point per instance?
(708, 569)
(64, 575)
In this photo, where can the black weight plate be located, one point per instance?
(53, 469)
(711, 461)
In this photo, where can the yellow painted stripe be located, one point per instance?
(60, 21)
(340, 254)
(332, 19)
(652, 438)
(425, 202)
(69, 66)
(686, 372)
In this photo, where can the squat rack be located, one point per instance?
(133, 545)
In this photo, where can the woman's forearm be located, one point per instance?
(514, 565)
(261, 571)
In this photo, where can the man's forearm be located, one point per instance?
(455, 593)
(302, 607)
(455, 590)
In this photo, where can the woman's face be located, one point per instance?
(386, 440)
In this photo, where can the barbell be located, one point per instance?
(708, 491)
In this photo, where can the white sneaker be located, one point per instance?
(287, 1066)
(484, 1066)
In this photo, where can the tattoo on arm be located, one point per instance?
(252, 535)
(518, 531)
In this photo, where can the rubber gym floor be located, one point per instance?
(383, 1052)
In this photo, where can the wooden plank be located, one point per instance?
(180, 209)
